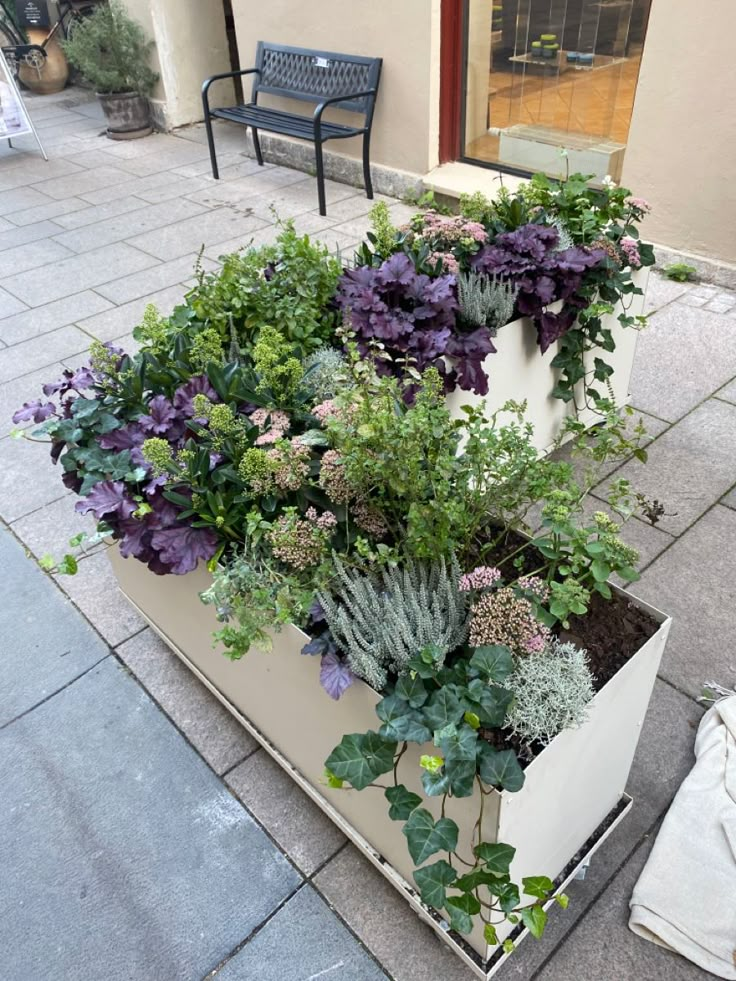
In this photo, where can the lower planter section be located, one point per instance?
(519, 371)
(569, 792)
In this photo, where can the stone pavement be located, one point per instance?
(143, 834)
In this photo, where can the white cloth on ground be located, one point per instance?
(685, 899)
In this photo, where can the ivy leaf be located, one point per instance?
(534, 919)
(539, 886)
(443, 710)
(425, 837)
(433, 881)
(499, 768)
(361, 757)
(461, 775)
(435, 782)
(496, 856)
(489, 935)
(494, 663)
(412, 689)
(402, 802)
(461, 909)
(489, 702)
(401, 722)
(472, 880)
(562, 900)
(461, 744)
(508, 896)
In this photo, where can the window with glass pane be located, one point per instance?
(549, 84)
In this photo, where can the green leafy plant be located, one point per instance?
(680, 272)
(112, 51)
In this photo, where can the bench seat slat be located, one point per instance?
(286, 123)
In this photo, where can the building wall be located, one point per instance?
(190, 44)
(681, 153)
(405, 33)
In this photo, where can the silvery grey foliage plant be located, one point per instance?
(564, 240)
(552, 690)
(382, 622)
(485, 301)
(324, 373)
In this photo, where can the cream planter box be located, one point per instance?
(519, 371)
(568, 792)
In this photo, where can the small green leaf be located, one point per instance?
(472, 719)
(68, 566)
(332, 781)
(443, 709)
(601, 571)
(412, 689)
(562, 900)
(494, 663)
(489, 935)
(499, 769)
(433, 881)
(534, 919)
(461, 909)
(539, 886)
(496, 856)
(435, 783)
(509, 946)
(47, 562)
(507, 895)
(401, 722)
(402, 802)
(478, 877)
(361, 757)
(426, 837)
(432, 764)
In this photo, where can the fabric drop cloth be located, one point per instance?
(685, 899)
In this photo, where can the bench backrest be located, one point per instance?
(302, 73)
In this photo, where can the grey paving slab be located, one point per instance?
(91, 214)
(59, 313)
(20, 198)
(695, 582)
(683, 356)
(690, 466)
(661, 291)
(95, 591)
(44, 644)
(203, 168)
(117, 321)
(604, 948)
(304, 224)
(407, 948)
(294, 821)
(116, 824)
(730, 499)
(31, 256)
(188, 236)
(176, 155)
(305, 941)
(13, 236)
(28, 170)
(176, 187)
(9, 304)
(13, 394)
(135, 222)
(47, 531)
(663, 759)
(36, 352)
(157, 277)
(100, 177)
(51, 210)
(728, 392)
(80, 272)
(28, 478)
(209, 727)
(5, 225)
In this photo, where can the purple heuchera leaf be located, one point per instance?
(161, 414)
(83, 378)
(197, 385)
(181, 548)
(37, 410)
(469, 352)
(62, 385)
(335, 675)
(107, 497)
(125, 438)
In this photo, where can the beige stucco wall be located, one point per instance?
(681, 153)
(190, 44)
(405, 33)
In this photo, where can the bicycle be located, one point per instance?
(15, 46)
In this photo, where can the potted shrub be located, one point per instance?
(312, 483)
(111, 52)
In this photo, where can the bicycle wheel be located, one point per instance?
(78, 14)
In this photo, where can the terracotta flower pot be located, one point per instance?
(52, 74)
(128, 115)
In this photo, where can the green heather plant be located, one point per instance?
(112, 51)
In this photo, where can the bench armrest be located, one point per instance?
(336, 99)
(216, 78)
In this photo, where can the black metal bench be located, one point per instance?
(347, 81)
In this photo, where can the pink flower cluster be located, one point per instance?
(535, 585)
(452, 227)
(630, 248)
(502, 617)
(482, 577)
(369, 518)
(325, 521)
(641, 203)
(302, 542)
(278, 427)
(326, 410)
(289, 463)
(332, 478)
(448, 260)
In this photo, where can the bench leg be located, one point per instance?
(211, 144)
(257, 146)
(367, 166)
(320, 178)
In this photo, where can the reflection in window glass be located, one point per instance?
(547, 75)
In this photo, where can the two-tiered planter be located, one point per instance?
(572, 795)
